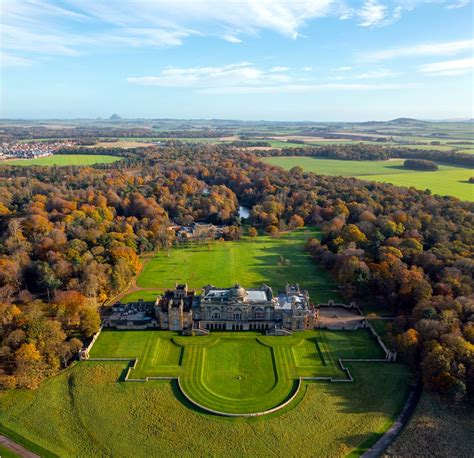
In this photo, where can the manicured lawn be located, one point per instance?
(84, 411)
(65, 159)
(145, 294)
(237, 372)
(447, 181)
(249, 262)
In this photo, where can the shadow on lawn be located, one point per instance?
(399, 167)
(182, 399)
(378, 388)
(301, 269)
(123, 373)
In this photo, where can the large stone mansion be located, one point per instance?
(232, 309)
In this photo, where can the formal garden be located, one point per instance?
(91, 409)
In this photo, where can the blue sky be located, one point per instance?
(339, 60)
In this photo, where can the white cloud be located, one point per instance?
(205, 77)
(279, 69)
(232, 39)
(248, 16)
(48, 27)
(43, 27)
(458, 4)
(140, 36)
(429, 49)
(7, 60)
(449, 67)
(45, 42)
(307, 69)
(305, 88)
(372, 74)
(246, 78)
(372, 13)
(381, 13)
(343, 69)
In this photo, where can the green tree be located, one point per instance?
(90, 321)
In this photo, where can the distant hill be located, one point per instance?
(115, 117)
(405, 121)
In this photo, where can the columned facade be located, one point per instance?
(236, 309)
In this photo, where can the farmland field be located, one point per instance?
(64, 159)
(87, 411)
(119, 144)
(181, 139)
(447, 180)
(250, 262)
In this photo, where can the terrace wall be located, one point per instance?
(84, 353)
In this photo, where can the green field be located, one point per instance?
(180, 139)
(282, 143)
(447, 181)
(65, 159)
(249, 262)
(88, 411)
(237, 372)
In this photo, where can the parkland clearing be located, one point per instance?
(98, 409)
(250, 261)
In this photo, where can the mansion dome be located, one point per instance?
(238, 292)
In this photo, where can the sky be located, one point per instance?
(288, 60)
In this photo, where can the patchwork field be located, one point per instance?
(249, 262)
(65, 159)
(88, 411)
(447, 181)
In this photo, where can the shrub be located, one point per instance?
(420, 164)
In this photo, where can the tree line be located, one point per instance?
(364, 152)
(33, 132)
